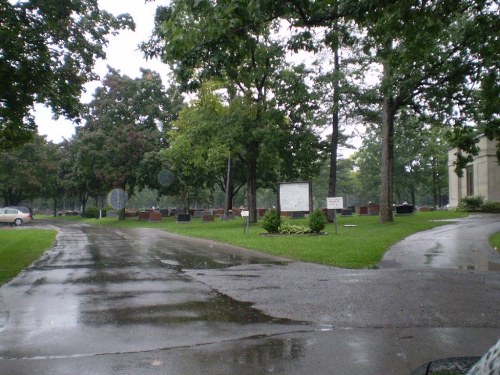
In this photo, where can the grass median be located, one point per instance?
(495, 241)
(358, 241)
(19, 247)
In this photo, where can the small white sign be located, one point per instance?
(334, 203)
(245, 213)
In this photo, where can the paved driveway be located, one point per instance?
(143, 301)
(462, 245)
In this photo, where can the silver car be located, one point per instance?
(14, 216)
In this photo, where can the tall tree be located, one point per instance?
(432, 72)
(47, 53)
(200, 42)
(456, 49)
(126, 119)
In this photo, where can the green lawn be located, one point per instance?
(20, 247)
(495, 241)
(360, 245)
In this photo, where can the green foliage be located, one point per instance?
(121, 128)
(317, 221)
(491, 207)
(269, 123)
(287, 228)
(48, 51)
(272, 221)
(470, 204)
(91, 213)
(495, 241)
(30, 171)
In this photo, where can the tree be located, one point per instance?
(28, 172)
(126, 119)
(47, 53)
(199, 42)
(133, 117)
(420, 167)
(456, 49)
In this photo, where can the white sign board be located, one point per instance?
(294, 196)
(334, 203)
(245, 213)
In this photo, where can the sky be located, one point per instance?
(121, 53)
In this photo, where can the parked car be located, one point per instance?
(14, 216)
(24, 209)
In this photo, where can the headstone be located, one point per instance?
(261, 212)
(197, 213)
(164, 212)
(130, 213)
(143, 216)
(404, 209)
(228, 216)
(208, 217)
(363, 210)
(183, 218)
(373, 209)
(346, 213)
(155, 216)
(425, 209)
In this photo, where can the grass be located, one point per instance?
(495, 241)
(21, 247)
(362, 245)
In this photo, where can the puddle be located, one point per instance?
(218, 308)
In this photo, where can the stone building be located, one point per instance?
(480, 178)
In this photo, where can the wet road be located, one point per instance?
(461, 245)
(143, 301)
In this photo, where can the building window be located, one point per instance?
(470, 180)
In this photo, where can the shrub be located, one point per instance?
(287, 228)
(470, 204)
(491, 207)
(271, 221)
(317, 221)
(91, 213)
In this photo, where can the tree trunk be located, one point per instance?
(332, 186)
(228, 199)
(252, 188)
(387, 153)
(83, 202)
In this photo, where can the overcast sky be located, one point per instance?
(122, 54)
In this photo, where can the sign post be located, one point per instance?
(335, 203)
(246, 224)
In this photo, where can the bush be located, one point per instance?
(317, 221)
(491, 207)
(470, 204)
(91, 213)
(272, 221)
(287, 228)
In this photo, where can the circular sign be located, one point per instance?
(166, 178)
(117, 198)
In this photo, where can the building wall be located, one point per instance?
(486, 174)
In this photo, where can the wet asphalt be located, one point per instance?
(143, 301)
